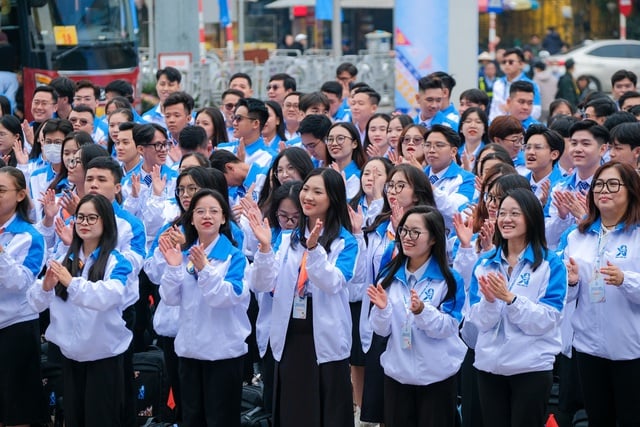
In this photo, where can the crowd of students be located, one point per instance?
(353, 261)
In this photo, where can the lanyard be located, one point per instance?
(303, 275)
(602, 243)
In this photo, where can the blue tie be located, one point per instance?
(583, 186)
(433, 179)
(534, 187)
(241, 192)
(424, 124)
(147, 180)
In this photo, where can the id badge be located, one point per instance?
(596, 288)
(300, 307)
(406, 336)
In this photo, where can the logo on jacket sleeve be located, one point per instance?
(523, 280)
(622, 251)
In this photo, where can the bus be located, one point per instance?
(79, 39)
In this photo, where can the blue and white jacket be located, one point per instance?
(524, 336)
(436, 351)
(609, 329)
(213, 323)
(553, 224)
(21, 260)
(454, 189)
(501, 93)
(329, 275)
(88, 326)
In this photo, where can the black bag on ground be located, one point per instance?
(151, 385)
(52, 381)
(253, 414)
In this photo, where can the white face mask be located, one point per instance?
(52, 153)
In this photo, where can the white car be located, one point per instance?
(598, 60)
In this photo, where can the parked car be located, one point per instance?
(598, 60)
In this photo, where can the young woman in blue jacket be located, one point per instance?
(418, 305)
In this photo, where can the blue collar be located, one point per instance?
(351, 169)
(527, 255)
(433, 272)
(259, 144)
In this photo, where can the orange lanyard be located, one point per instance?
(303, 276)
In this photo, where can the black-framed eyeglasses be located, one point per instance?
(90, 219)
(74, 120)
(406, 232)
(491, 198)
(229, 106)
(283, 217)
(160, 146)
(339, 139)
(395, 187)
(239, 117)
(73, 162)
(188, 190)
(613, 185)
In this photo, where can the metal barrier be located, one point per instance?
(207, 81)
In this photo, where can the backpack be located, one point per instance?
(252, 412)
(151, 385)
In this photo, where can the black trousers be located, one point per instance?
(471, 409)
(515, 400)
(93, 392)
(211, 392)
(432, 405)
(610, 389)
(171, 363)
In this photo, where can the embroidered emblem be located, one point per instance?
(523, 280)
(622, 251)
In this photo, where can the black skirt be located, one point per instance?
(357, 355)
(22, 397)
(373, 394)
(305, 392)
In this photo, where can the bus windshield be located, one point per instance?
(82, 22)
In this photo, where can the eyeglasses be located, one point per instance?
(48, 141)
(273, 87)
(159, 146)
(406, 232)
(74, 120)
(239, 117)
(310, 146)
(416, 140)
(83, 98)
(396, 187)
(491, 198)
(229, 106)
(613, 185)
(340, 139)
(437, 146)
(289, 170)
(509, 61)
(535, 147)
(188, 191)
(40, 103)
(90, 219)
(73, 162)
(291, 106)
(3, 190)
(517, 141)
(513, 214)
(203, 211)
(286, 219)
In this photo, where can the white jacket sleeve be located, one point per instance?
(380, 320)
(38, 298)
(435, 323)
(263, 272)
(171, 284)
(222, 285)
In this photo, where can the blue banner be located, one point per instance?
(324, 10)
(225, 19)
(421, 44)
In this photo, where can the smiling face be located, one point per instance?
(341, 144)
(7, 139)
(10, 196)
(314, 198)
(584, 150)
(285, 171)
(149, 153)
(208, 217)
(43, 106)
(418, 248)
(377, 133)
(86, 231)
(185, 190)
(399, 190)
(164, 88)
(270, 127)
(412, 144)
(611, 204)
(126, 150)
(439, 152)
(204, 121)
(473, 128)
(511, 220)
(115, 120)
(393, 132)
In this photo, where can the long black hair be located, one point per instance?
(387, 165)
(434, 223)
(534, 221)
(280, 127)
(80, 138)
(107, 243)
(219, 128)
(12, 125)
(289, 190)
(301, 162)
(205, 178)
(19, 180)
(190, 232)
(337, 215)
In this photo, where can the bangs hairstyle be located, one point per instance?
(382, 116)
(219, 128)
(534, 220)
(337, 216)
(631, 181)
(190, 232)
(107, 243)
(494, 173)
(23, 207)
(434, 223)
(482, 115)
(301, 162)
(387, 166)
(495, 151)
(289, 190)
(357, 155)
(13, 126)
(203, 178)
(419, 183)
(421, 129)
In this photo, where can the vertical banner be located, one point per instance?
(324, 10)
(421, 45)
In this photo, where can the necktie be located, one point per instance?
(241, 192)
(147, 180)
(303, 276)
(433, 179)
(583, 186)
(424, 124)
(534, 187)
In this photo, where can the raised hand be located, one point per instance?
(487, 231)
(22, 157)
(49, 281)
(545, 187)
(27, 130)
(261, 230)
(69, 202)
(50, 207)
(464, 230)
(357, 219)
(242, 151)
(312, 241)
(417, 305)
(198, 257)
(158, 183)
(467, 161)
(397, 212)
(135, 185)
(378, 296)
(373, 151)
(573, 274)
(171, 252)
(64, 232)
